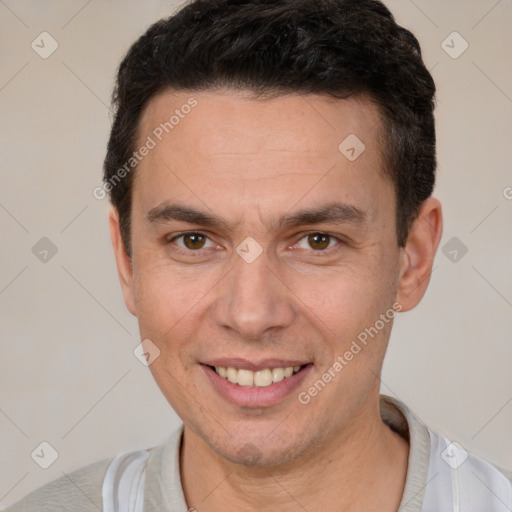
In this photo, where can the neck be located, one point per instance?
(362, 467)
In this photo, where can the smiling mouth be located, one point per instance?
(261, 378)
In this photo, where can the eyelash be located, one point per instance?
(187, 252)
(303, 236)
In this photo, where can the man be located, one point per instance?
(271, 166)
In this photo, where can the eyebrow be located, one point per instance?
(166, 212)
(334, 213)
(337, 213)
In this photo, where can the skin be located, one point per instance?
(249, 162)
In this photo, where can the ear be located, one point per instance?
(123, 261)
(417, 256)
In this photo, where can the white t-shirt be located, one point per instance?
(441, 477)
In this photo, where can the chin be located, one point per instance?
(260, 450)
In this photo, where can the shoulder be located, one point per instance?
(507, 473)
(442, 475)
(472, 482)
(78, 491)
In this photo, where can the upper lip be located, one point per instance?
(254, 365)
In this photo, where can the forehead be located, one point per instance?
(258, 150)
(237, 122)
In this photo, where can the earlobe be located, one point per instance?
(417, 256)
(123, 261)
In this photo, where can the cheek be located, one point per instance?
(173, 309)
(338, 297)
(347, 301)
(166, 301)
(168, 309)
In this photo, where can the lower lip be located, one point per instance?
(254, 396)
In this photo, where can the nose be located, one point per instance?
(253, 300)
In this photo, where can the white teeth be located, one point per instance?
(277, 374)
(245, 377)
(232, 375)
(288, 372)
(261, 378)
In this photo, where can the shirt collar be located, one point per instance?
(163, 481)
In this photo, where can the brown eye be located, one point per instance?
(318, 241)
(194, 240)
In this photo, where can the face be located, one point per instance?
(258, 245)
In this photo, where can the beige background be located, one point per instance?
(68, 375)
